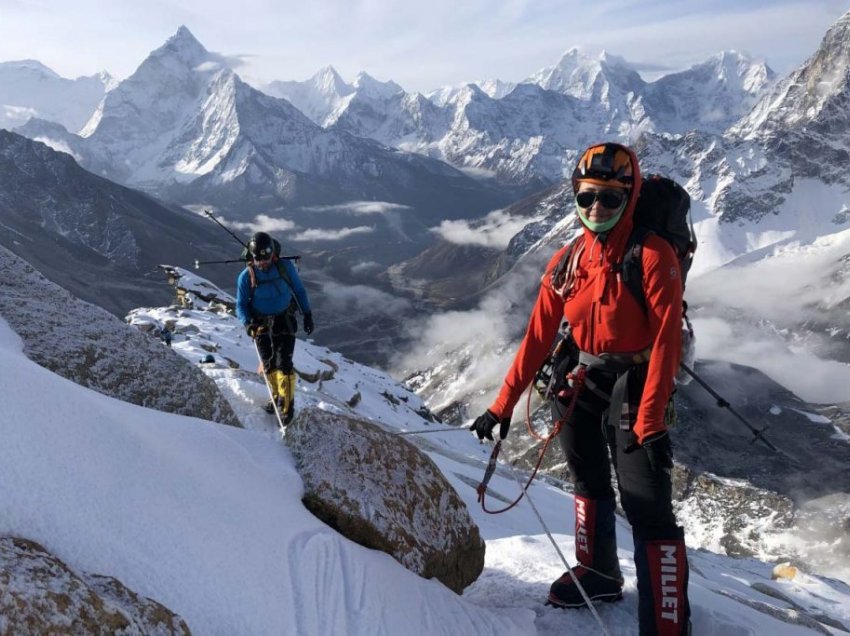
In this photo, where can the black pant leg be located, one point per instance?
(264, 346)
(283, 344)
(646, 495)
(583, 442)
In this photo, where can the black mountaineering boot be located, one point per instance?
(598, 569)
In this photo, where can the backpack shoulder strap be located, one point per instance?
(284, 274)
(631, 268)
(294, 304)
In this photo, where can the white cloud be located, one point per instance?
(759, 314)
(14, 116)
(330, 235)
(365, 266)
(478, 173)
(473, 348)
(796, 368)
(345, 299)
(361, 207)
(494, 230)
(263, 223)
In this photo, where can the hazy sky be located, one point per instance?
(420, 45)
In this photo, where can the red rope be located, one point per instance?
(577, 385)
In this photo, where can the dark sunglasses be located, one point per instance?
(611, 199)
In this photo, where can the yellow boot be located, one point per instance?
(277, 381)
(289, 398)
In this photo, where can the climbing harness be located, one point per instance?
(577, 379)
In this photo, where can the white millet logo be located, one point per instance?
(582, 544)
(669, 583)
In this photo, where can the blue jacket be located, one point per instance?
(272, 294)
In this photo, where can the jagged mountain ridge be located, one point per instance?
(185, 126)
(528, 135)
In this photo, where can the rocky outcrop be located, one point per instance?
(382, 492)
(39, 594)
(91, 347)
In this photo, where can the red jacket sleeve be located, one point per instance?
(542, 327)
(662, 283)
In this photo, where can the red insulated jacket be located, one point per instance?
(605, 317)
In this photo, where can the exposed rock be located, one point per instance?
(93, 348)
(354, 400)
(39, 594)
(784, 571)
(382, 492)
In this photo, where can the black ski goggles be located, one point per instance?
(611, 199)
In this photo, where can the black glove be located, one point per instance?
(308, 323)
(484, 424)
(658, 448)
(253, 328)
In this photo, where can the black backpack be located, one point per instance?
(663, 208)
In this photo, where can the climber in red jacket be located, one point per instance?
(630, 355)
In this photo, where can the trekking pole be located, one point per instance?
(210, 215)
(566, 563)
(722, 403)
(239, 260)
(232, 260)
(454, 429)
(268, 385)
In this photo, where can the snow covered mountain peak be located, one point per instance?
(370, 87)
(316, 97)
(815, 93)
(29, 89)
(587, 77)
(609, 59)
(739, 70)
(184, 46)
(153, 120)
(329, 82)
(33, 66)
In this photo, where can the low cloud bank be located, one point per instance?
(470, 351)
(262, 223)
(331, 235)
(494, 230)
(361, 207)
(775, 314)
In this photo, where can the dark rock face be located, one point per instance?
(39, 594)
(383, 493)
(95, 238)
